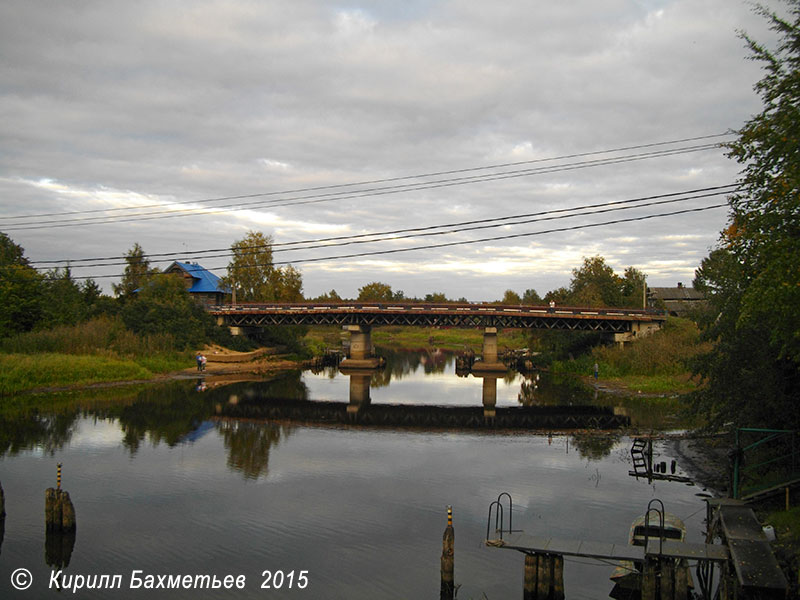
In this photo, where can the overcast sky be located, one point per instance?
(113, 105)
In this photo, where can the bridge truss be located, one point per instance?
(426, 315)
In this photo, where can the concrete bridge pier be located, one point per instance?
(489, 397)
(638, 330)
(489, 360)
(361, 356)
(359, 391)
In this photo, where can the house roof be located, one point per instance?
(204, 281)
(676, 293)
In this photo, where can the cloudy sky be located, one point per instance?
(183, 125)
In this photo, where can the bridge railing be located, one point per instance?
(434, 307)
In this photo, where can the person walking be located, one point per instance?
(199, 359)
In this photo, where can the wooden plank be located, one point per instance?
(740, 523)
(756, 566)
(751, 554)
(586, 549)
(673, 549)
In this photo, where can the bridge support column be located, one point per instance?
(361, 356)
(638, 330)
(359, 391)
(489, 397)
(489, 360)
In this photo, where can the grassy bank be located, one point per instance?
(656, 364)
(100, 350)
(19, 372)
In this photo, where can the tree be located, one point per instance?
(21, 290)
(634, 284)
(331, 296)
(531, 297)
(753, 371)
(64, 302)
(136, 273)
(511, 297)
(595, 284)
(253, 276)
(436, 298)
(378, 292)
(164, 306)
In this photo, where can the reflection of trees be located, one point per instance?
(594, 447)
(26, 431)
(248, 445)
(401, 363)
(163, 414)
(527, 393)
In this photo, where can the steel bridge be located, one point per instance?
(360, 317)
(375, 314)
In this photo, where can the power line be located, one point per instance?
(313, 199)
(384, 180)
(430, 230)
(468, 242)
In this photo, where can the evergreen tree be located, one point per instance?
(137, 272)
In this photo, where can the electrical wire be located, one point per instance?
(384, 180)
(464, 242)
(400, 234)
(314, 199)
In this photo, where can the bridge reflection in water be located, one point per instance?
(360, 411)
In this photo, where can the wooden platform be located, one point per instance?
(751, 554)
(609, 551)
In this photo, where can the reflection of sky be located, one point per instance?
(417, 387)
(363, 511)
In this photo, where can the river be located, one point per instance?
(162, 484)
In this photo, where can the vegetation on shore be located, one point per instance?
(660, 363)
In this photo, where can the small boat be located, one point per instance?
(627, 576)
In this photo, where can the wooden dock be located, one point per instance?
(533, 544)
(756, 568)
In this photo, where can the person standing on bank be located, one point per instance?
(596, 371)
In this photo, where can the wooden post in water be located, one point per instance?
(667, 568)
(59, 513)
(649, 583)
(681, 580)
(529, 587)
(447, 589)
(558, 577)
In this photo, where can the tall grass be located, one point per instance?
(102, 349)
(103, 336)
(664, 355)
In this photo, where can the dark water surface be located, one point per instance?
(161, 485)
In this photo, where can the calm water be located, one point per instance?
(162, 486)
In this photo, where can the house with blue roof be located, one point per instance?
(201, 283)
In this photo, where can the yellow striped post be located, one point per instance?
(447, 588)
(58, 477)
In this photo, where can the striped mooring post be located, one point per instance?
(447, 589)
(59, 514)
